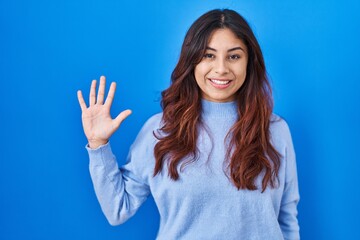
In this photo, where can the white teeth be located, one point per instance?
(220, 82)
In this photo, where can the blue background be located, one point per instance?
(50, 49)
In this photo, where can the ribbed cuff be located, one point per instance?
(100, 156)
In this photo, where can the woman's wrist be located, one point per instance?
(97, 143)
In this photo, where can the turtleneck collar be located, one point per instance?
(216, 109)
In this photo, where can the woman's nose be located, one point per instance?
(221, 66)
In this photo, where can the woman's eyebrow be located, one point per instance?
(230, 50)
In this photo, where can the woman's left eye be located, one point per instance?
(234, 57)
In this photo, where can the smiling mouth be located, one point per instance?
(219, 83)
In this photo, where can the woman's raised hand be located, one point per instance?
(96, 119)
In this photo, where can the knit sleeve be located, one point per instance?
(119, 191)
(122, 190)
(288, 209)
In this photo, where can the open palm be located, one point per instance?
(96, 119)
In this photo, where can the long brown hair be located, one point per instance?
(250, 151)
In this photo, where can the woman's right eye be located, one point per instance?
(208, 55)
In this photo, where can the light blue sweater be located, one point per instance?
(203, 203)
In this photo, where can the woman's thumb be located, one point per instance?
(121, 117)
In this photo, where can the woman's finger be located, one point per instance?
(110, 96)
(101, 92)
(92, 96)
(81, 100)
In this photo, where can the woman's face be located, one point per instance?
(222, 71)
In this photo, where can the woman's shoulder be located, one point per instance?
(279, 129)
(154, 122)
(151, 126)
(141, 154)
(277, 121)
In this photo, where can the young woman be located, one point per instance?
(218, 162)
